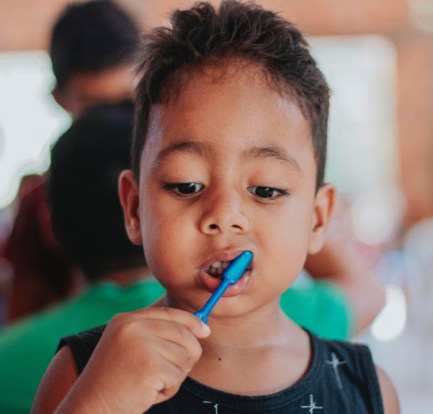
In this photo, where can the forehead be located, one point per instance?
(230, 106)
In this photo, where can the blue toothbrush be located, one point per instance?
(230, 276)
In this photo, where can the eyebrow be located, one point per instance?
(189, 147)
(205, 150)
(273, 153)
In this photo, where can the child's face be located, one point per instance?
(228, 166)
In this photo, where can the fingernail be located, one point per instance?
(206, 328)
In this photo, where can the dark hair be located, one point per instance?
(204, 36)
(83, 190)
(92, 36)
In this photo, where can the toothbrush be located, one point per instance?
(230, 276)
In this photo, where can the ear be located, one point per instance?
(323, 207)
(64, 99)
(128, 193)
(59, 97)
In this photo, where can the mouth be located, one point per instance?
(217, 268)
(211, 272)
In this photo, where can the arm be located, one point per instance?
(389, 396)
(52, 391)
(335, 264)
(140, 360)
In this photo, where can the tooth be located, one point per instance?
(217, 265)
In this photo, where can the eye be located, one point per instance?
(267, 193)
(184, 189)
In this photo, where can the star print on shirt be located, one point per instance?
(215, 406)
(312, 405)
(335, 363)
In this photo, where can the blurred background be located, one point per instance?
(378, 59)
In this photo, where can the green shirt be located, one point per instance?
(27, 347)
(320, 307)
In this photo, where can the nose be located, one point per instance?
(223, 214)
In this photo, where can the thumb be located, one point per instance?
(200, 329)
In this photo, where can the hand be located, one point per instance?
(142, 359)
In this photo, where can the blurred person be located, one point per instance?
(41, 273)
(342, 264)
(5, 281)
(93, 54)
(6, 220)
(88, 221)
(417, 255)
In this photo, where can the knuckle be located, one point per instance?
(169, 384)
(117, 319)
(177, 378)
(123, 325)
(183, 331)
(167, 310)
(196, 351)
(184, 361)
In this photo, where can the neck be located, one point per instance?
(258, 354)
(263, 327)
(257, 328)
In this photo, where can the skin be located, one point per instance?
(84, 90)
(248, 149)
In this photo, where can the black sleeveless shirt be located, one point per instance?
(341, 379)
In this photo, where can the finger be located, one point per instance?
(194, 324)
(175, 333)
(164, 385)
(177, 355)
(169, 383)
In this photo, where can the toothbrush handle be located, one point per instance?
(211, 302)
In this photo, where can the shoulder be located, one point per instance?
(356, 356)
(377, 382)
(357, 374)
(58, 380)
(361, 359)
(89, 336)
(73, 353)
(389, 395)
(82, 345)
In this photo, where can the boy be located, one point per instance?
(93, 55)
(228, 156)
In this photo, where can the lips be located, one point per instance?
(210, 274)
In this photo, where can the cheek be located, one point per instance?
(166, 236)
(291, 224)
(287, 240)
